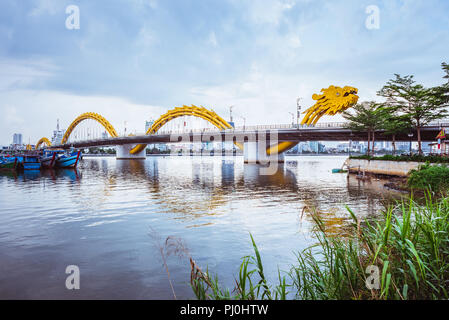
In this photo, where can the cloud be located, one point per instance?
(213, 39)
(267, 11)
(43, 108)
(42, 7)
(23, 73)
(257, 55)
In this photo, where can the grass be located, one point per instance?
(409, 246)
(426, 176)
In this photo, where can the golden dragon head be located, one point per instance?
(333, 100)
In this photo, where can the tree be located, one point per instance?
(421, 105)
(441, 93)
(367, 117)
(394, 124)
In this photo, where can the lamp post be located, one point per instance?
(298, 110)
(244, 123)
(293, 119)
(230, 113)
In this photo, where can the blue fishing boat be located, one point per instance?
(8, 163)
(31, 163)
(48, 159)
(68, 160)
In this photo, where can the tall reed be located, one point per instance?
(408, 244)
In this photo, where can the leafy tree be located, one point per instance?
(421, 105)
(367, 117)
(394, 124)
(441, 93)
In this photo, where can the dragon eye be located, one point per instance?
(346, 94)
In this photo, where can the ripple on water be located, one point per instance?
(101, 216)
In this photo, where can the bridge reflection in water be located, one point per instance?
(100, 216)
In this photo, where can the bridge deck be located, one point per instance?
(331, 132)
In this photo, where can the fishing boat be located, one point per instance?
(48, 159)
(8, 163)
(31, 163)
(68, 160)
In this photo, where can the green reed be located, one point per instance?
(409, 245)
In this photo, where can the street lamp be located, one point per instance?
(410, 135)
(298, 108)
(244, 123)
(293, 119)
(230, 113)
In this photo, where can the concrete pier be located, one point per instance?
(255, 152)
(391, 168)
(123, 152)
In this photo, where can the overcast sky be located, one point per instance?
(132, 60)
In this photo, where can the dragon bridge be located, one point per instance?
(333, 100)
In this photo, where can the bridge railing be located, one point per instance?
(255, 127)
(444, 123)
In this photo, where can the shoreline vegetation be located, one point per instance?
(405, 158)
(408, 246)
(432, 174)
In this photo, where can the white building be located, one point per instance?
(17, 139)
(57, 135)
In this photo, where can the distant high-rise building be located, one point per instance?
(162, 147)
(17, 139)
(343, 147)
(425, 146)
(295, 149)
(303, 147)
(403, 146)
(57, 135)
(313, 146)
(316, 146)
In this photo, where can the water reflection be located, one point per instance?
(48, 174)
(99, 216)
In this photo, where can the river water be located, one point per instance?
(118, 220)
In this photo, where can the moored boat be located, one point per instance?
(48, 159)
(69, 160)
(8, 163)
(31, 163)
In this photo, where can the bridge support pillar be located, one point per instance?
(254, 152)
(123, 152)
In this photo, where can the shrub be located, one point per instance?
(434, 177)
(415, 158)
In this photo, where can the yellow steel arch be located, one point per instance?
(89, 115)
(199, 112)
(281, 147)
(209, 116)
(42, 141)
